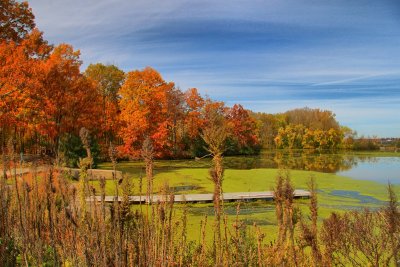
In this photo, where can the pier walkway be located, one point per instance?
(203, 198)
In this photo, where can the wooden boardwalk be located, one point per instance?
(94, 174)
(203, 198)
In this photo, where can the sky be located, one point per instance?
(270, 56)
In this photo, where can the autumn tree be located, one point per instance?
(16, 85)
(268, 126)
(145, 112)
(314, 119)
(20, 85)
(244, 139)
(300, 128)
(194, 105)
(22, 49)
(69, 99)
(177, 121)
(16, 20)
(194, 120)
(309, 141)
(108, 80)
(290, 136)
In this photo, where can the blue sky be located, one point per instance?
(270, 55)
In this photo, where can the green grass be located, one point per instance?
(335, 193)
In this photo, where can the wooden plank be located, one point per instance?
(203, 198)
(94, 174)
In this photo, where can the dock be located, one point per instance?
(202, 198)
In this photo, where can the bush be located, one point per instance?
(71, 150)
(365, 144)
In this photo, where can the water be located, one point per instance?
(381, 169)
(356, 195)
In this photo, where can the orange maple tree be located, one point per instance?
(20, 86)
(194, 119)
(145, 112)
(69, 100)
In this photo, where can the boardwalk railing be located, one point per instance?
(203, 198)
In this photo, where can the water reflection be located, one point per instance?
(300, 160)
(363, 167)
(380, 169)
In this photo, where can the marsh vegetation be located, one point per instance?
(45, 220)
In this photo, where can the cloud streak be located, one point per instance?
(270, 55)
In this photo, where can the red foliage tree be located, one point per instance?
(243, 127)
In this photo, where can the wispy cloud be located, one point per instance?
(342, 55)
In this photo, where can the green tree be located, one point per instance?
(108, 78)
